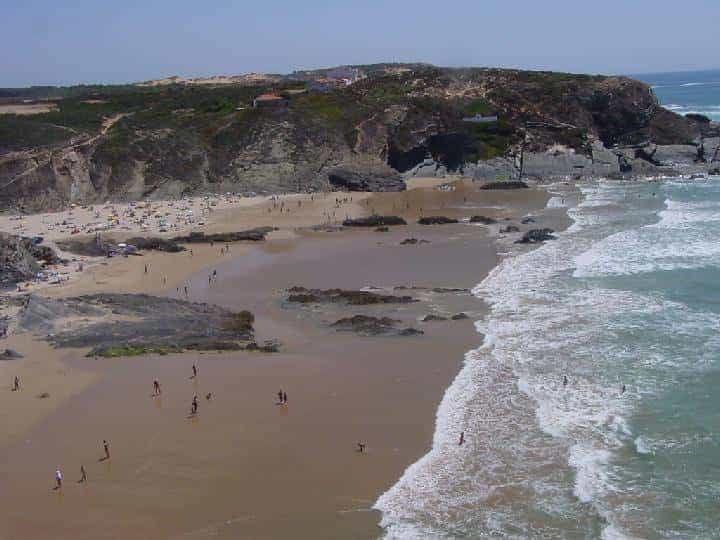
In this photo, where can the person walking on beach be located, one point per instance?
(58, 478)
(106, 448)
(280, 397)
(284, 398)
(462, 438)
(565, 380)
(194, 372)
(146, 268)
(83, 475)
(361, 447)
(194, 406)
(16, 384)
(156, 388)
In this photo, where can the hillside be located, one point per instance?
(182, 137)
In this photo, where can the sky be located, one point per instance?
(61, 42)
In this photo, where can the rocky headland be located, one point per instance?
(392, 123)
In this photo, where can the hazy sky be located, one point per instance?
(68, 42)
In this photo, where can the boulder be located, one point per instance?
(413, 241)
(301, 295)
(482, 219)
(536, 236)
(10, 354)
(371, 179)
(375, 221)
(252, 235)
(432, 317)
(436, 220)
(459, 317)
(155, 244)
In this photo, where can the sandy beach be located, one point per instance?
(245, 467)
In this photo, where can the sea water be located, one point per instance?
(626, 305)
(687, 92)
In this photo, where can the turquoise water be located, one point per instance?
(629, 295)
(688, 92)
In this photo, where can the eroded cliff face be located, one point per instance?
(412, 121)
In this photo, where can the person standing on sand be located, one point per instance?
(156, 388)
(194, 406)
(462, 438)
(565, 380)
(146, 268)
(16, 384)
(58, 478)
(83, 475)
(194, 372)
(284, 399)
(280, 395)
(106, 447)
(361, 447)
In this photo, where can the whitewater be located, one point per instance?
(590, 409)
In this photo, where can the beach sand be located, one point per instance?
(245, 467)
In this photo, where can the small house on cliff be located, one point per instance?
(269, 101)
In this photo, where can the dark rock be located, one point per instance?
(382, 229)
(482, 219)
(134, 324)
(431, 317)
(365, 324)
(385, 179)
(21, 258)
(504, 185)
(459, 317)
(510, 229)
(410, 332)
(155, 244)
(301, 295)
(10, 354)
(413, 241)
(374, 221)
(436, 220)
(536, 236)
(527, 220)
(269, 346)
(251, 235)
(44, 395)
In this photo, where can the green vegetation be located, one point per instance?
(479, 106)
(134, 350)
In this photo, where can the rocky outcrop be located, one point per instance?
(536, 236)
(372, 326)
(21, 258)
(10, 354)
(482, 219)
(301, 295)
(374, 221)
(132, 324)
(436, 220)
(250, 235)
(136, 144)
(377, 178)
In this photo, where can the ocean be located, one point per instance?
(687, 92)
(625, 304)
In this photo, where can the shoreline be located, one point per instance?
(257, 272)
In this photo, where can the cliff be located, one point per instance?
(136, 141)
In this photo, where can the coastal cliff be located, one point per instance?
(387, 123)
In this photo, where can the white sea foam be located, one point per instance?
(545, 324)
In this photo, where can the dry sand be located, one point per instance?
(245, 467)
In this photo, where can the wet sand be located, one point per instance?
(245, 467)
